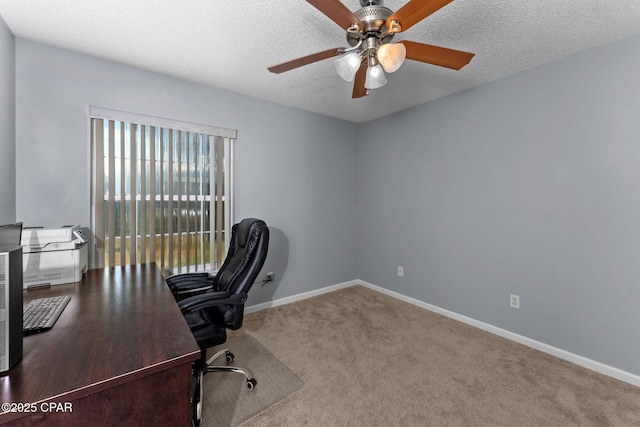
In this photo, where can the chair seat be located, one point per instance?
(207, 333)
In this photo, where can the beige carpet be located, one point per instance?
(227, 400)
(367, 359)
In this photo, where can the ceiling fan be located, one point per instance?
(369, 32)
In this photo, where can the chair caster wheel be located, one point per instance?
(229, 356)
(251, 383)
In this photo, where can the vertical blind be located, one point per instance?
(161, 191)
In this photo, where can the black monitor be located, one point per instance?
(10, 235)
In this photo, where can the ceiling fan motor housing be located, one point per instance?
(373, 18)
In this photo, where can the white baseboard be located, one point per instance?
(545, 348)
(299, 297)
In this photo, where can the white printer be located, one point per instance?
(53, 256)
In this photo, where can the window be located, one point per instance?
(161, 191)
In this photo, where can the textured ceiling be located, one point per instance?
(230, 43)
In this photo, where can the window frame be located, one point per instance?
(145, 120)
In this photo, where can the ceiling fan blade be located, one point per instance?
(413, 12)
(305, 60)
(442, 56)
(358, 83)
(338, 13)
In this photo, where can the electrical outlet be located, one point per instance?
(515, 301)
(400, 271)
(270, 277)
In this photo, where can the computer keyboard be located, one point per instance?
(40, 314)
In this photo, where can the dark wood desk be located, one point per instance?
(119, 355)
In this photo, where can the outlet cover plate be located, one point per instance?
(514, 301)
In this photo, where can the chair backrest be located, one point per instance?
(245, 258)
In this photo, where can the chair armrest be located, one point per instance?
(191, 288)
(184, 285)
(210, 299)
(171, 280)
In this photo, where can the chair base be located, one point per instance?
(200, 369)
(229, 357)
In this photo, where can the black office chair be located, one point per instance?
(218, 303)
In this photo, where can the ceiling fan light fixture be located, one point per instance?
(375, 77)
(369, 31)
(347, 65)
(391, 56)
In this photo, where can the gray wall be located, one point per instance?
(529, 185)
(294, 169)
(7, 126)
